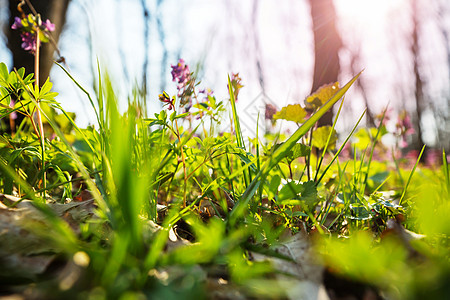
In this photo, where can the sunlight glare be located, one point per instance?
(368, 10)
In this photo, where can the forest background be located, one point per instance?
(282, 50)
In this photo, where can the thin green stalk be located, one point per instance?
(402, 181)
(410, 175)
(237, 128)
(308, 161)
(328, 139)
(446, 170)
(38, 112)
(375, 140)
(100, 123)
(341, 148)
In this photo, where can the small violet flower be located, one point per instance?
(49, 26)
(404, 127)
(17, 23)
(28, 41)
(28, 27)
(270, 111)
(181, 74)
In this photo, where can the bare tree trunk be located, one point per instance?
(327, 44)
(354, 65)
(55, 10)
(162, 39)
(442, 116)
(419, 95)
(146, 45)
(257, 44)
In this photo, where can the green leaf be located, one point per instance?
(180, 116)
(4, 71)
(290, 191)
(363, 139)
(273, 186)
(359, 212)
(298, 150)
(304, 194)
(46, 87)
(320, 137)
(321, 96)
(172, 116)
(292, 112)
(309, 195)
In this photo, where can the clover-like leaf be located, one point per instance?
(319, 97)
(290, 191)
(320, 137)
(309, 194)
(273, 185)
(292, 112)
(299, 150)
(363, 139)
(304, 194)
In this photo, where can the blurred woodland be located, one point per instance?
(414, 94)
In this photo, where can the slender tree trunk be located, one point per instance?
(327, 44)
(162, 39)
(257, 44)
(419, 95)
(354, 65)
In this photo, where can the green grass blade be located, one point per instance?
(328, 140)
(375, 140)
(446, 170)
(341, 148)
(237, 127)
(411, 175)
(397, 168)
(84, 91)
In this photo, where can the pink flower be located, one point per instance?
(270, 111)
(17, 23)
(48, 25)
(181, 74)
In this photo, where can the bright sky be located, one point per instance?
(221, 36)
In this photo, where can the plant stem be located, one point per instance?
(184, 163)
(38, 111)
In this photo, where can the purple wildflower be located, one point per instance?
(17, 23)
(181, 74)
(48, 25)
(404, 128)
(28, 28)
(270, 111)
(207, 92)
(28, 41)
